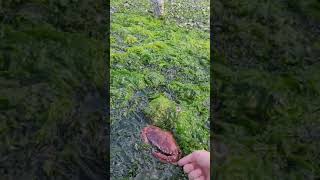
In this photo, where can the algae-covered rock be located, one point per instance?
(162, 112)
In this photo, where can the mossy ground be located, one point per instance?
(156, 64)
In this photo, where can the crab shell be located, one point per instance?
(169, 151)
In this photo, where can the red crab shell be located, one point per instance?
(168, 150)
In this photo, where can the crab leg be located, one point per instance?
(144, 136)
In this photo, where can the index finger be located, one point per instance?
(185, 160)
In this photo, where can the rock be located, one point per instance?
(158, 7)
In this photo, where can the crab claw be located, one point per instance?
(167, 149)
(164, 158)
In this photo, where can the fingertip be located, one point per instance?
(180, 163)
(185, 160)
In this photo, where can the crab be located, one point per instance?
(167, 149)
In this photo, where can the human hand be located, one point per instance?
(196, 165)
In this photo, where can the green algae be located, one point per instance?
(131, 39)
(159, 62)
(162, 112)
(154, 79)
(191, 135)
(164, 75)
